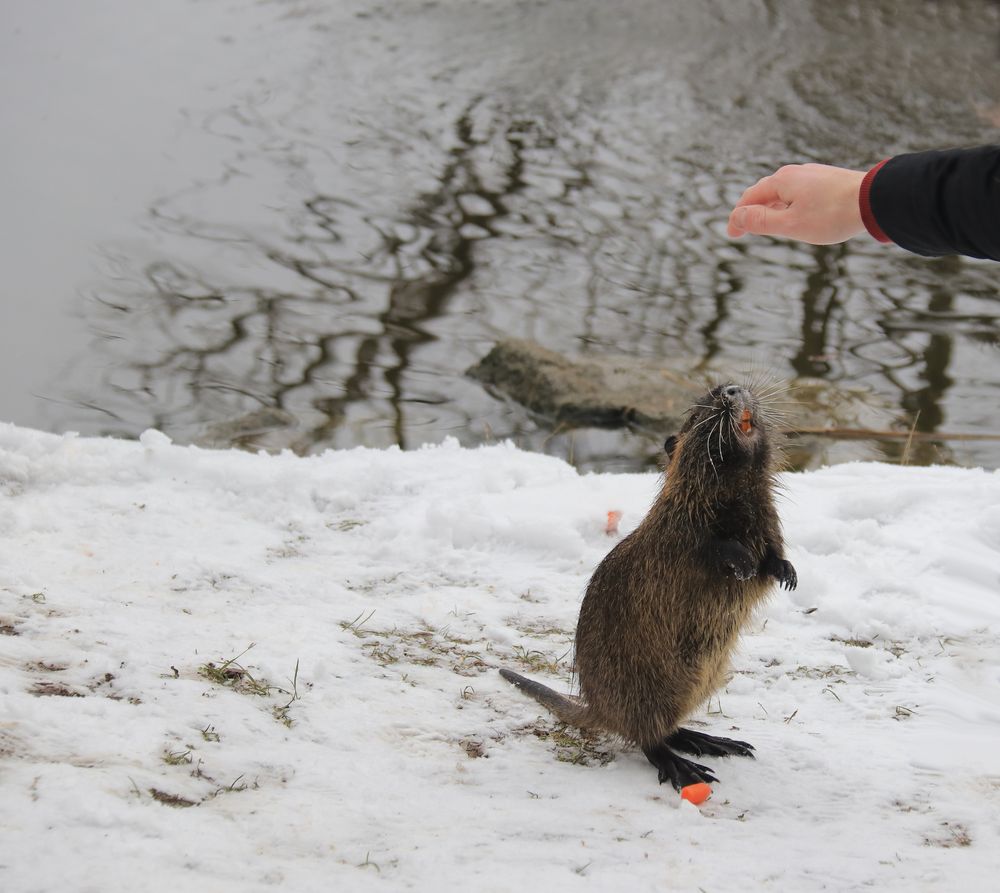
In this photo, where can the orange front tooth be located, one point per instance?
(745, 421)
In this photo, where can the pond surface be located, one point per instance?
(332, 210)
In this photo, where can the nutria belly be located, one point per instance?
(643, 684)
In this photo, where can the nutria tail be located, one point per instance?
(566, 708)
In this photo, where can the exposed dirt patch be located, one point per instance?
(948, 835)
(42, 666)
(475, 749)
(170, 799)
(54, 689)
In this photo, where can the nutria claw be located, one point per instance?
(786, 576)
(783, 571)
(679, 771)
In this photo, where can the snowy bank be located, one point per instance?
(366, 741)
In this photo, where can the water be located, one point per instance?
(335, 209)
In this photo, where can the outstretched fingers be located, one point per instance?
(760, 209)
(815, 203)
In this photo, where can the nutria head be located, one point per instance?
(726, 429)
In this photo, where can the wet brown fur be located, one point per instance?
(663, 610)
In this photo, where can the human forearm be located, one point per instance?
(930, 203)
(936, 203)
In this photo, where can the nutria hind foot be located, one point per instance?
(675, 769)
(703, 745)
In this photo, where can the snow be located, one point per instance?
(384, 588)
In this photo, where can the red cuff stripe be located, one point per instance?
(864, 200)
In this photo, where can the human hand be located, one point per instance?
(814, 203)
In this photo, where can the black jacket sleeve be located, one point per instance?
(942, 202)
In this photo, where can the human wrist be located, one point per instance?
(865, 206)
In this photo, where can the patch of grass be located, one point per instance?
(896, 649)
(828, 672)
(718, 711)
(236, 786)
(425, 647)
(536, 660)
(373, 584)
(904, 806)
(291, 547)
(538, 629)
(442, 647)
(951, 834)
(355, 625)
(280, 712)
(854, 643)
(234, 675)
(177, 757)
(572, 745)
(209, 734)
(382, 653)
(198, 772)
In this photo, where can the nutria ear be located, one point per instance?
(669, 444)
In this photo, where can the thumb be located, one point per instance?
(759, 220)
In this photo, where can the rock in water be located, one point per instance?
(600, 392)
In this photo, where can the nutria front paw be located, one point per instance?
(786, 575)
(743, 568)
(781, 570)
(735, 558)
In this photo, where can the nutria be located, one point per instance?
(663, 610)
